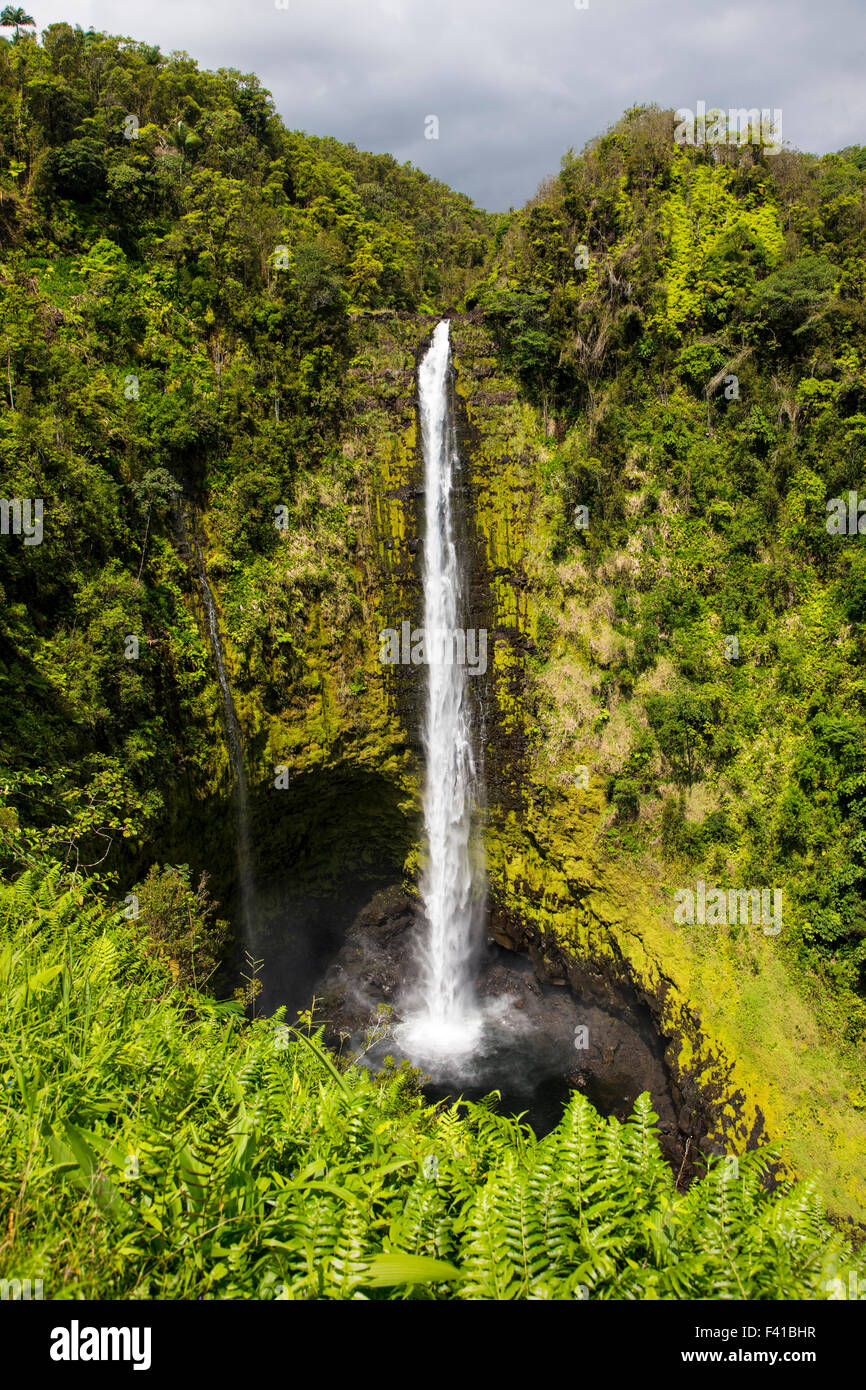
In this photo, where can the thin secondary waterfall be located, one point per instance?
(236, 754)
(447, 1019)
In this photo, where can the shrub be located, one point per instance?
(181, 924)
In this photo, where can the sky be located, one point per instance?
(513, 84)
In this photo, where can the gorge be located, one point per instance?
(472, 1016)
(408, 789)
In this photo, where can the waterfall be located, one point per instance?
(446, 1020)
(236, 755)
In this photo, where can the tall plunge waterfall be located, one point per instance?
(446, 1020)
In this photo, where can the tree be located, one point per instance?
(679, 723)
(181, 924)
(16, 18)
(79, 169)
(156, 489)
(790, 300)
(520, 325)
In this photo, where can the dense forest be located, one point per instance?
(210, 332)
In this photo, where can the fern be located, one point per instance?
(422, 1226)
(487, 1268)
(348, 1265)
(220, 1166)
(525, 1235)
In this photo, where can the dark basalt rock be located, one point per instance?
(532, 1057)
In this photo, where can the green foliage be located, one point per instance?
(183, 285)
(180, 924)
(157, 1145)
(717, 244)
(520, 324)
(15, 17)
(679, 722)
(794, 296)
(702, 369)
(78, 169)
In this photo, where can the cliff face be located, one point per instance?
(350, 814)
(595, 918)
(590, 915)
(347, 824)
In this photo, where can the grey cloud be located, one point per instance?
(514, 84)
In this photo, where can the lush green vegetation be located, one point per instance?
(701, 366)
(194, 303)
(177, 289)
(156, 1144)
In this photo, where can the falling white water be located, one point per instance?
(446, 1022)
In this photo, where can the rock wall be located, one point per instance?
(349, 732)
(549, 898)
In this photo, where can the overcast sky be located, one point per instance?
(514, 83)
